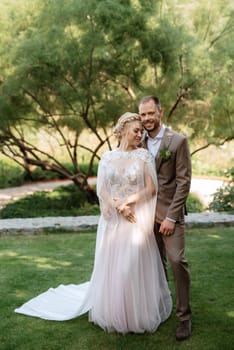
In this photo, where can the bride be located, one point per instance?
(128, 291)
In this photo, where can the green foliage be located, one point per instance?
(10, 175)
(201, 167)
(223, 200)
(67, 66)
(194, 204)
(70, 66)
(39, 175)
(70, 55)
(84, 168)
(63, 201)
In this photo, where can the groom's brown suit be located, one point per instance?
(174, 177)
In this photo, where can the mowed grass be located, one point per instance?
(32, 264)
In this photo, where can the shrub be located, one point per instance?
(194, 204)
(13, 175)
(10, 175)
(63, 201)
(39, 174)
(223, 200)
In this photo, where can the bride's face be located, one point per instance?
(132, 134)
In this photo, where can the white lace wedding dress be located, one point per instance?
(128, 291)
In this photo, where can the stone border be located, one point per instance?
(84, 223)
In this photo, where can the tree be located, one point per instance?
(74, 66)
(197, 85)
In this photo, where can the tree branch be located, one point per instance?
(224, 32)
(230, 138)
(175, 105)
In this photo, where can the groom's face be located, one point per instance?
(150, 116)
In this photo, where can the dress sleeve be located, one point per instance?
(151, 170)
(101, 179)
(103, 189)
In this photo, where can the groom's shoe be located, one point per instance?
(184, 330)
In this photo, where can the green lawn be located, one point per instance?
(32, 264)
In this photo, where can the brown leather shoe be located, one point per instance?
(184, 330)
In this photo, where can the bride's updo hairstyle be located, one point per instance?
(122, 121)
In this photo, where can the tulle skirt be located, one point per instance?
(127, 292)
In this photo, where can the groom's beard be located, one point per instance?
(155, 127)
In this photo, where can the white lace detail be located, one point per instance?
(125, 170)
(139, 153)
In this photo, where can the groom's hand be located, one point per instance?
(167, 227)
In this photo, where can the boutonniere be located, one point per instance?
(165, 153)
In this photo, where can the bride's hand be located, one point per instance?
(109, 206)
(127, 212)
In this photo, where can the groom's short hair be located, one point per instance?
(146, 99)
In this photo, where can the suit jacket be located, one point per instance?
(174, 176)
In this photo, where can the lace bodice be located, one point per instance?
(122, 173)
(125, 180)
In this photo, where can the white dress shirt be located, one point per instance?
(154, 143)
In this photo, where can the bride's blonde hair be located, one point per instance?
(122, 121)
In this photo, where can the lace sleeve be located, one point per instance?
(106, 201)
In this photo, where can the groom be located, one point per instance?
(173, 165)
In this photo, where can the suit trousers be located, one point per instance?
(172, 247)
